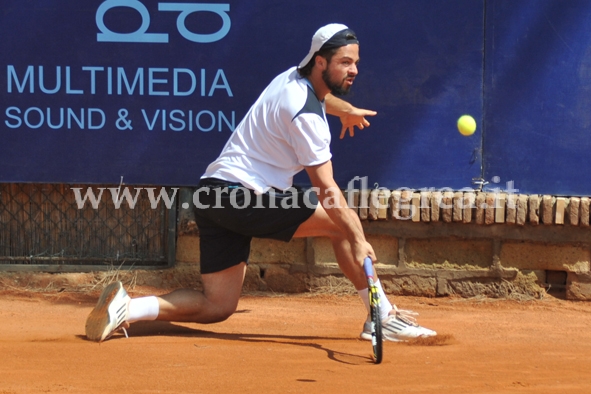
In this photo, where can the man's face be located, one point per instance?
(342, 70)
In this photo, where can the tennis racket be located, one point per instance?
(374, 311)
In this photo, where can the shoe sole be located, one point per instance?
(388, 338)
(98, 321)
(367, 337)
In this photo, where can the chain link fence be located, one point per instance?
(60, 227)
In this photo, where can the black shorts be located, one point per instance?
(229, 215)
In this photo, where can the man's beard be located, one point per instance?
(335, 88)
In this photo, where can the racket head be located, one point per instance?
(377, 341)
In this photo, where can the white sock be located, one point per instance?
(143, 308)
(364, 294)
(385, 305)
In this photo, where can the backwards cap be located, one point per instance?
(334, 35)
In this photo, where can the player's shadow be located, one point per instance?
(153, 328)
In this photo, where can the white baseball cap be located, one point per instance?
(333, 35)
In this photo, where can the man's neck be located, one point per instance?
(319, 86)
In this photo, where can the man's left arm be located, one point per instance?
(350, 116)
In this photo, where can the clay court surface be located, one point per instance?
(292, 344)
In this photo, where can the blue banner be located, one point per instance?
(150, 90)
(538, 106)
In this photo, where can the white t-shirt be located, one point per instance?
(284, 130)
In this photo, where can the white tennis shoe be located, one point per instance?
(109, 314)
(399, 326)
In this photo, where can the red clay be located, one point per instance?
(287, 344)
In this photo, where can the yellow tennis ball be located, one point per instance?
(466, 125)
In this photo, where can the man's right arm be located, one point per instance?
(335, 205)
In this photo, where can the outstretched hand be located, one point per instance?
(356, 117)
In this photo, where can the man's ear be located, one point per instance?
(321, 62)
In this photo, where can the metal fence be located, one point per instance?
(55, 227)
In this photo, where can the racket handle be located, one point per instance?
(368, 267)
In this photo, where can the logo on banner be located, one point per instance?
(141, 35)
(121, 81)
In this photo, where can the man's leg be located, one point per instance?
(217, 302)
(397, 325)
(320, 225)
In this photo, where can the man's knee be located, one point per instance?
(222, 313)
(222, 291)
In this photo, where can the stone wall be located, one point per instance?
(439, 244)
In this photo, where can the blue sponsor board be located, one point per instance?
(150, 90)
(537, 96)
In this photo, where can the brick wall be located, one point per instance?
(439, 244)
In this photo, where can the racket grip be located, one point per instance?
(368, 267)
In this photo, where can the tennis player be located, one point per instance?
(247, 192)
